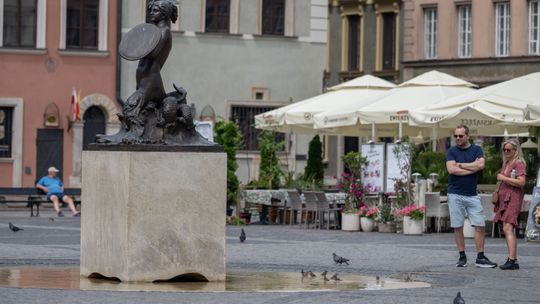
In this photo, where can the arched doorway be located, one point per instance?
(94, 123)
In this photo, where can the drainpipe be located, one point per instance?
(118, 58)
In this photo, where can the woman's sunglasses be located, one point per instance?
(507, 150)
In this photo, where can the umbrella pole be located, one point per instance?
(373, 131)
(400, 134)
(434, 139)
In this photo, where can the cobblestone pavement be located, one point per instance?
(430, 258)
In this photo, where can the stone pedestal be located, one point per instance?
(150, 216)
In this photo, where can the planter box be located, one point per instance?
(468, 229)
(412, 227)
(367, 224)
(350, 222)
(387, 227)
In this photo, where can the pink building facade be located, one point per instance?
(48, 49)
(482, 41)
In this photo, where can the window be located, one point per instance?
(82, 24)
(502, 28)
(273, 17)
(244, 115)
(534, 33)
(464, 31)
(430, 32)
(353, 51)
(389, 41)
(217, 16)
(19, 26)
(6, 120)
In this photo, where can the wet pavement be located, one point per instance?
(272, 256)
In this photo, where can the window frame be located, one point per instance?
(19, 27)
(503, 29)
(534, 28)
(6, 131)
(349, 40)
(464, 22)
(288, 19)
(103, 35)
(226, 29)
(430, 32)
(83, 27)
(41, 26)
(272, 4)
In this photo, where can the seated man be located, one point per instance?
(53, 187)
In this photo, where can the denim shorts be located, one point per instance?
(461, 205)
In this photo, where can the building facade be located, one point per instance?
(483, 42)
(48, 49)
(364, 38)
(239, 58)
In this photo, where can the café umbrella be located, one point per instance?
(298, 117)
(488, 111)
(389, 111)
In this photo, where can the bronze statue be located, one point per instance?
(150, 115)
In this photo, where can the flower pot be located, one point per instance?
(468, 229)
(412, 227)
(367, 224)
(389, 227)
(350, 222)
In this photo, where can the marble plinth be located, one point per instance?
(150, 216)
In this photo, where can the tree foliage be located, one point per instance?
(270, 172)
(227, 134)
(314, 170)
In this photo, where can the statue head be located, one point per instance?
(158, 10)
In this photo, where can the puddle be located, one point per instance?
(237, 280)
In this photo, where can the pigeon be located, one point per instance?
(340, 260)
(378, 280)
(51, 219)
(14, 228)
(311, 274)
(335, 277)
(324, 276)
(458, 299)
(324, 273)
(242, 236)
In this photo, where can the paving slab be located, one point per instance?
(430, 258)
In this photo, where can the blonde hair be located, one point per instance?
(518, 156)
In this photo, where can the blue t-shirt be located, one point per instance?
(53, 184)
(464, 185)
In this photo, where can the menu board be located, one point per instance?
(398, 160)
(373, 172)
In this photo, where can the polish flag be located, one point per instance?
(74, 104)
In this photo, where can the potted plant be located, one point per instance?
(353, 189)
(413, 219)
(386, 217)
(368, 217)
(351, 185)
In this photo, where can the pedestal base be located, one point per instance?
(150, 216)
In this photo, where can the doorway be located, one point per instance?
(50, 151)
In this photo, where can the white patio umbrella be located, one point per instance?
(297, 117)
(489, 111)
(389, 111)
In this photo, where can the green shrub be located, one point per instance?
(427, 162)
(227, 134)
(269, 170)
(314, 170)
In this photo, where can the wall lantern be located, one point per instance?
(51, 116)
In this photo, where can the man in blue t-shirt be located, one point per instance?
(464, 163)
(54, 188)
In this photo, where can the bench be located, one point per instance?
(33, 197)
